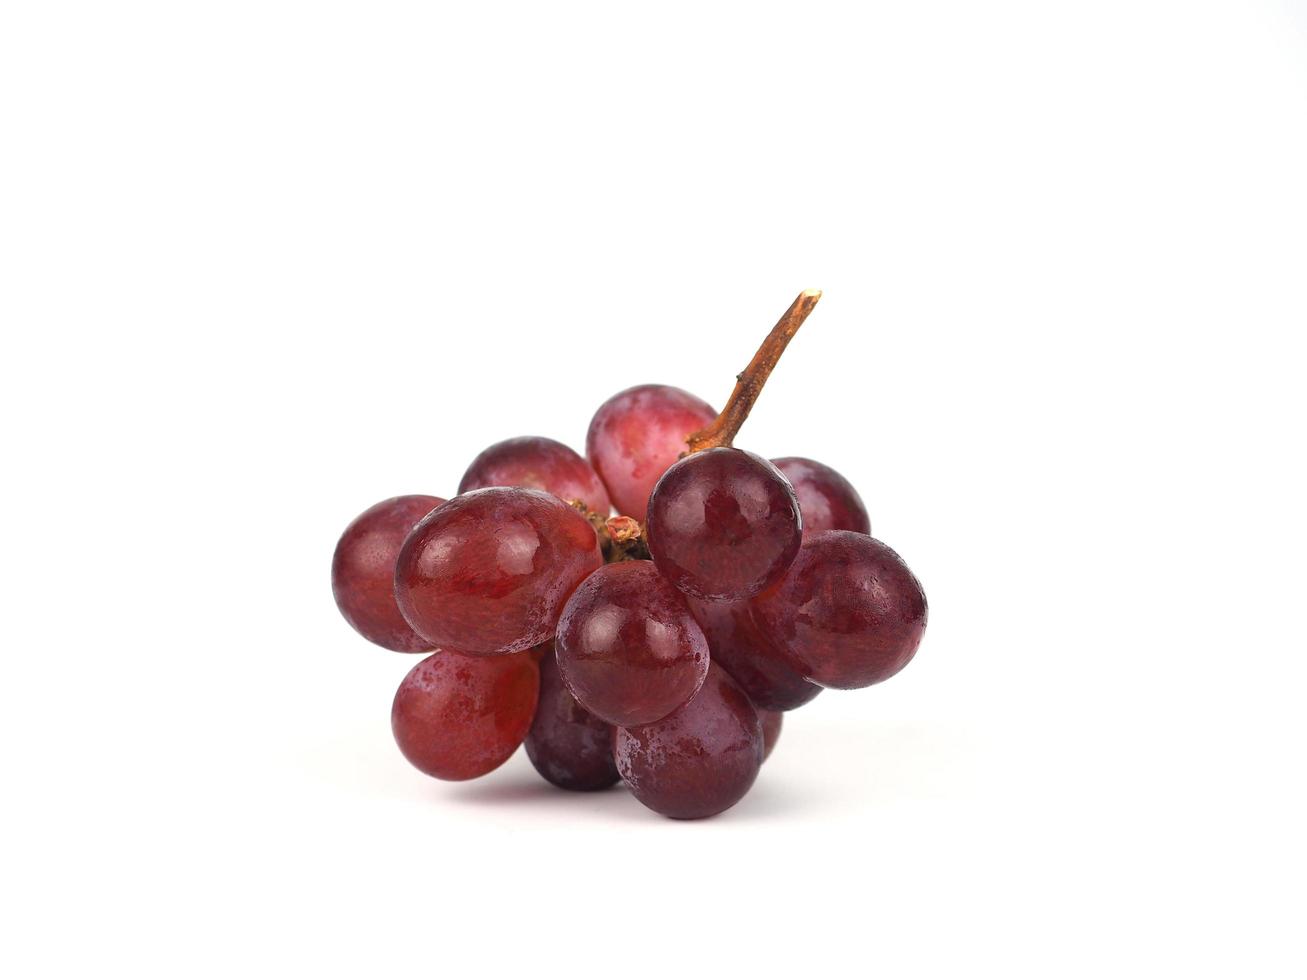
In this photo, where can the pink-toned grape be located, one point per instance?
(738, 647)
(628, 647)
(771, 730)
(489, 571)
(636, 435)
(538, 464)
(723, 524)
(827, 501)
(699, 760)
(848, 613)
(568, 745)
(363, 571)
(459, 717)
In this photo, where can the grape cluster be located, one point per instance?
(658, 647)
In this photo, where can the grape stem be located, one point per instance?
(620, 538)
(625, 539)
(748, 384)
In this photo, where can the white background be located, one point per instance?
(262, 264)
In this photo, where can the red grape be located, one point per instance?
(848, 612)
(827, 501)
(568, 745)
(489, 571)
(699, 760)
(738, 647)
(636, 435)
(628, 647)
(723, 524)
(363, 571)
(771, 730)
(459, 717)
(539, 464)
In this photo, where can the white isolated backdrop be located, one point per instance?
(262, 264)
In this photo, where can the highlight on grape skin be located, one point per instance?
(658, 647)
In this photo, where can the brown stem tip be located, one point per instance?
(748, 384)
(625, 539)
(620, 538)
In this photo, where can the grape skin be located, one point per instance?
(636, 435)
(628, 647)
(458, 717)
(699, 760)
(538, 464)
(827, 501)
(489, 571)
(848, 612)
(568, 745)
(771, 681)
(723, 524)
(363, 571)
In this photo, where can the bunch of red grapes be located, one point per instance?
(658, 647)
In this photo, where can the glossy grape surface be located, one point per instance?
(628, 647)
(568, 745)
(827, 501)
(737, 646)
(771, 730)
(701, 759)
(489, 571)
(363, 571)
(538, 464)
(723, 524)
(849, 612)
(636, 435)
(459, 717)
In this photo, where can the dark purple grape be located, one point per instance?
(771, 730)
(568, 745)
(538, 464)
(459, 717)
(628, 648)
(827, 501)
(636, 435)
(699, 760)
(849, 612)
(489, 571)
(363, 571)
(740, 649)
(723, 524)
